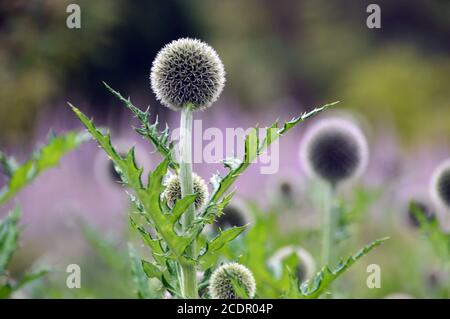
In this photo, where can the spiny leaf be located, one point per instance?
(154, 244)
(239, 290)
(213, 247)
(148, 197)
(139, 275)
(42, 159)
(322, 280)
(151, 270)
(9, 234)
(7, 164)
(10, 287)
(438, 238)
(181, 206)
(253, 148)
(224, 237)
(160, 140)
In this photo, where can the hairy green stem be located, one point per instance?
(328, 220)
(188, 272)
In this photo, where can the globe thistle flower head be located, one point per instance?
(440, 185)
(187, 71)
(221, 285)
(306, 267)
(334, 150)
(233, 216)
(172, 192)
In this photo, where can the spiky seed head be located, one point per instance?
(306, 267)
(220, 284)
(419, 207)
(172, 192)
(440, 185)
(334, 150)
(187, 71)
(233, 216)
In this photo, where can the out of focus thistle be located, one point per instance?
(187, 72)
(234, 215)
(440, 185)
(333, 150)
(305, 268)
(228, 279)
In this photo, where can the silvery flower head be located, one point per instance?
(440, 185)
(172, 192)
(234, 215)
(306, 267)
(187, 71)
(221, 284)
(334, 150)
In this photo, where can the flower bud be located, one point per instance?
(220, 284)
(172, 193)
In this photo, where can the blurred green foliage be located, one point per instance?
(316, 49)
(38, 52)
(9, 239)
(399, 85)
(304, 51)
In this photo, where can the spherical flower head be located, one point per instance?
(187, 71)
(220, 284)
(306, 267)
(172, 193)
(440, 185)
(335, 150)
(233, 216)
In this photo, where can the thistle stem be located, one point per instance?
(188, 272)
(328, 220)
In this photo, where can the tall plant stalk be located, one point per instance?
(328, 221)
(188, 272)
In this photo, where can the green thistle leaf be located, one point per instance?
(324, 278)
(139, 275)
(253, 148)
(149, 198)
(7, 164)
(217, 243)
(7, 290)
(9, 235)
(437, 237)
(44, 158)
(159, 139)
